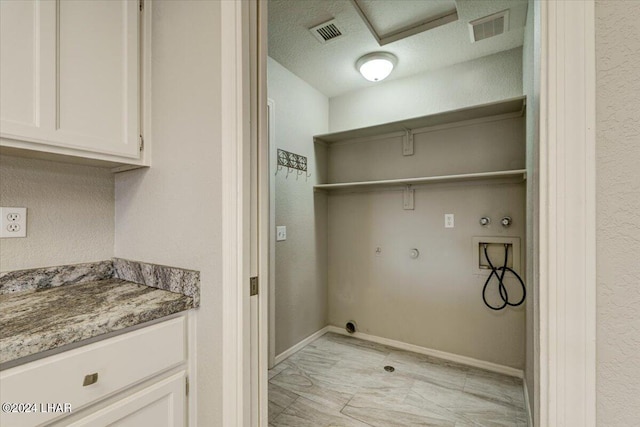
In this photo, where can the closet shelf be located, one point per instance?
(509, 107)
(481, 176)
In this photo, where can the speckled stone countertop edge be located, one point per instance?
(173, 279)
(42, 309)
(68, 324)
(41, 278)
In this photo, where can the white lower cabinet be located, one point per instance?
(159, 405)
(134, 379)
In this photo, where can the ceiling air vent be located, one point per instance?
(489, 26)
(326, 32)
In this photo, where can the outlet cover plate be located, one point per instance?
(13, 218)
(449, 220)
(281, 233)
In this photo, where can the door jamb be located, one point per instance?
(566, 336)
(567, 257)
(236, 206)
(271, 113)
(264, 206)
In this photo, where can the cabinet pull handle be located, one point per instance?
(90, 379)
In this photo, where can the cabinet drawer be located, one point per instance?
(70, 378)
(159, 405)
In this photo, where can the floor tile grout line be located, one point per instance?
(354, 418)
(284, 410)
(347, 404)
(349, 401)
(448, 410)
(269, 381)
(292, 402)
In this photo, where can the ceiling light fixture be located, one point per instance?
(376, 66)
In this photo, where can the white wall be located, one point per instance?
(491, 78)
(301, 261)
(434, 301)
(618, 212)
(170, 214)
(69, 212)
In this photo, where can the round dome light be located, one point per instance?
(376, 66)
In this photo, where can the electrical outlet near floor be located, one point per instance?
(13, 222)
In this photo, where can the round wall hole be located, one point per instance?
(351, 326)
(389, 368)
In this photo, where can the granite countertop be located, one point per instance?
(35, 321)
(45, 309)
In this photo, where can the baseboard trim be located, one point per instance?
(527, 403)
(295, 348)
(464, 360)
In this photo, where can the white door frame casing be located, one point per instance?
(236, 207)
(271, 119)
(266, 268)
(567, 256)
(566, 311)
(243, 90)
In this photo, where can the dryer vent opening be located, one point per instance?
(351, 326)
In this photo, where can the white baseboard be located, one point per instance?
(464, 360)
(527, 403)
(288, 352)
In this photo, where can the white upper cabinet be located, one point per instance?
(70, 77)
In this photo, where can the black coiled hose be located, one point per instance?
(501, 287)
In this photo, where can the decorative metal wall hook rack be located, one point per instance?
(293, 162)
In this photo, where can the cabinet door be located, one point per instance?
(159, 405)
(27, 67)
(70, 74)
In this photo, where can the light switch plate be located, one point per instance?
(281, 233)
(13, 222)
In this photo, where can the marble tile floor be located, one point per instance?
(340, 381)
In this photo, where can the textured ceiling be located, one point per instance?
(387, 17)
(330, 67)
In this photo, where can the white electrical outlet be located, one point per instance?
(13, 222)
(448, 221)
(281, 233)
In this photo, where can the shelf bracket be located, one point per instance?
(407, 198)
(407, 143)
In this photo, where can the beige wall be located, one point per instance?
(487, 79)
(434, 301)
(483, 147)
(171, 213)
(301, 261)
(69, 212)
(618, 212)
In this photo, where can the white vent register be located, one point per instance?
(327, 31)
(489, 26)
